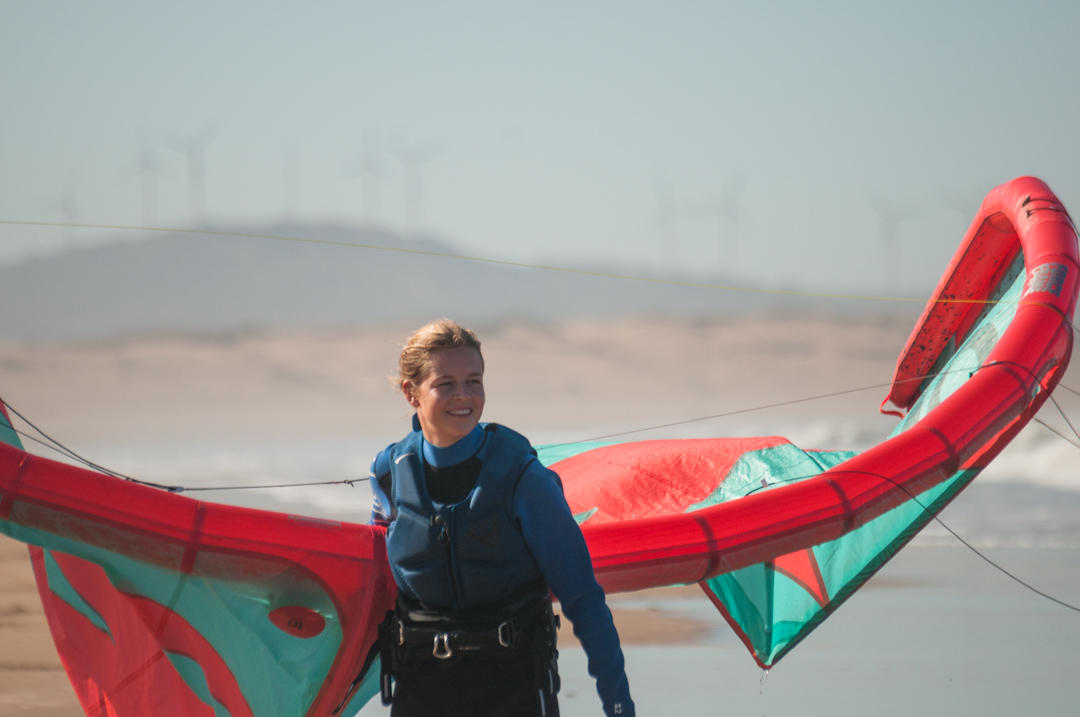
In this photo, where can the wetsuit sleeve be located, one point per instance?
(559, 548)
(379, 478)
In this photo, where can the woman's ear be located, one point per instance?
(407, 391)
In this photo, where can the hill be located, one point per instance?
(193, 283)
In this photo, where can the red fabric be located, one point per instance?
(650, 478)
(802, 567)
(108, 671)
(298, 621)
(176, 635)
(178, 533)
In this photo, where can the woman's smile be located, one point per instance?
(450, 399)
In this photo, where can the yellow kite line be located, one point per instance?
(485, 260)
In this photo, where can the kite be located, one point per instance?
(158, 602)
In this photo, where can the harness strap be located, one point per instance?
(409, 638)
(386, 659)
(445, 642)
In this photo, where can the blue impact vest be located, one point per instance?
(466, 555)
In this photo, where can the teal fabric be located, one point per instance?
(775, 613)
(552, 454)
(279, 674)
(192, 674)
(63, 589)
(772, 611)
(8, 434)
(771, 467)
(584, 515)
(954, 367)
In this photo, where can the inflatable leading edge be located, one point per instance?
(956, 437)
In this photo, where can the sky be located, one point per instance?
(826, 146)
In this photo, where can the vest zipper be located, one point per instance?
(445, 540)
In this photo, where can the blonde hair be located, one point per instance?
(415, 359)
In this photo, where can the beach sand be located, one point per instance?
(32, 680)
(557, 379)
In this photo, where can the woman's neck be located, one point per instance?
(456, 452)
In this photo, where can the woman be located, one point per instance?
(478, 533)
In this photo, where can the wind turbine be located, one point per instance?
(147, 169)
(193, 147)
(891, 215)
(67, 207)
(290, 179)
(69, 210)
(371, 169)
(413, 158)
(666, 218)
(727, 207)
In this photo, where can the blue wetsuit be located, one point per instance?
(557, 545)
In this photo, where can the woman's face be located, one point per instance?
(450, 399)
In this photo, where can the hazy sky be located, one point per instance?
(776, 143)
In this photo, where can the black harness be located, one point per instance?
(412, 635)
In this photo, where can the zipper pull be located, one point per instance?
(444, 536)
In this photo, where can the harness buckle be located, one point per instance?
(506, 633)
(400, 633)
(442, 639)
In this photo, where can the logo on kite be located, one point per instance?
(298, 621)
(1048, 278)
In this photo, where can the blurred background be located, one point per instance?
(182, 189)
(835, 146)
(835, 150)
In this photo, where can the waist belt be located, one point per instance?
(445, 642)
(412, 635)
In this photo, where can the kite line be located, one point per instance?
(53, 444)
(60, 448)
